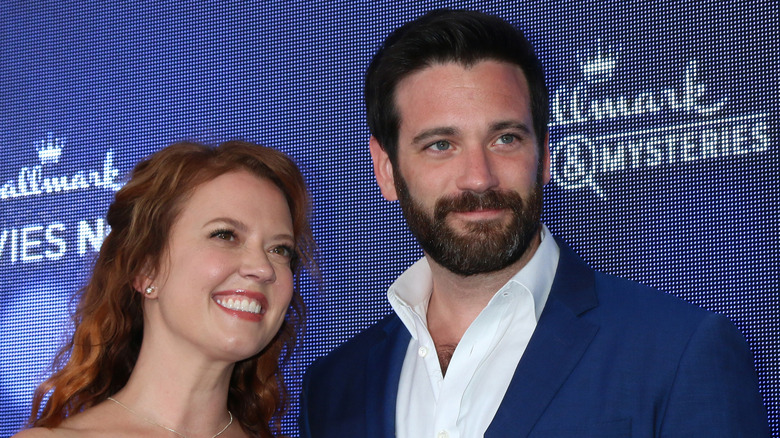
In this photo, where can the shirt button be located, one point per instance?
(422, 351)
(443, 434)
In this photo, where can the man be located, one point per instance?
(500, 330)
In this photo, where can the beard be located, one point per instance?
(484, 246)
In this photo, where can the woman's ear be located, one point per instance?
(144, 285)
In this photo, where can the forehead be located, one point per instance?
(443, 89)
(237, 193)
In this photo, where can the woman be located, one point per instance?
(191, 304)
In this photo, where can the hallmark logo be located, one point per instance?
(49, 149)
(579, 158)
(598, 66)
(582, 103)
(33, 181)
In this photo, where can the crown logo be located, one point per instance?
(598, 66)
(49, 149)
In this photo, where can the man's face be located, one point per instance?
(468, 175)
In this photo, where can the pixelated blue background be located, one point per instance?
(128, 78)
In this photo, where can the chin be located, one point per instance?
(240, 348)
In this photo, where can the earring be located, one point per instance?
(149, 290)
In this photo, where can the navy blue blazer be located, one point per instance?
(608, 358)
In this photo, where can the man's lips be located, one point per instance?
(480, 214)
(241, 303)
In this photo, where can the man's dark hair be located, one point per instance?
(441, 36)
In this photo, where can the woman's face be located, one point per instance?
(225, 282)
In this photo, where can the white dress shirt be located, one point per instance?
(464, 401)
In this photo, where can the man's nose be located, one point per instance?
(477, 172)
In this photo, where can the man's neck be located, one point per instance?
(457, 300)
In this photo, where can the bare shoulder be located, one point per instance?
(56, 432)
(65, 430)
(37, 432)
(85, 424)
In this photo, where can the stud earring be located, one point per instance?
(149, 290)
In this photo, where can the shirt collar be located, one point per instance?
(410, 293)
(538, 274)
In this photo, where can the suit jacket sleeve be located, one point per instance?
(714, 392)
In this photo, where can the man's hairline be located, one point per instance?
(467, 65)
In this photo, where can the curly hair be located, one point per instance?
(103, 350)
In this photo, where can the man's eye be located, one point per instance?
(227, 235)
(441, 145)
(506, 139)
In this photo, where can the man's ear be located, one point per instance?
(383, 170)
(546, 159)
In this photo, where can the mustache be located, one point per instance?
(470, 201)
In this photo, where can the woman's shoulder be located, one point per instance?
(39, 432)
(62, 431)
(58, 432)
(91, 422)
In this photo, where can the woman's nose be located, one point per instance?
(257, 265)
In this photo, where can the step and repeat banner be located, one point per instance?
(664, 142)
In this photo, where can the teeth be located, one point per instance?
(241, 304)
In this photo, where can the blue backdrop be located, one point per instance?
(664, 138)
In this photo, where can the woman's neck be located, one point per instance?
(177, 389)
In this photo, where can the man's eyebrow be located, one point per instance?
(434, 132)
(509, 124)
(450, 131)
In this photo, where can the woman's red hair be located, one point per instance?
(99, 358)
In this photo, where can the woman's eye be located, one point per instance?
(441, 145)
(227, 235)
(283, 250)
(506, 139)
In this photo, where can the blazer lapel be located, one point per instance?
(385, 359)
(555, 348)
